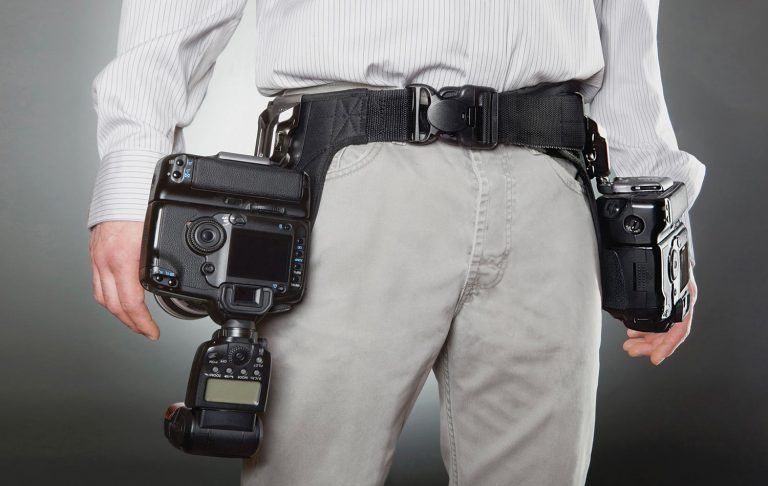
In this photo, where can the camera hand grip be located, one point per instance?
(248, 179)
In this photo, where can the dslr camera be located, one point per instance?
(644, 260)
(226, 237)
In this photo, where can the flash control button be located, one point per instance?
(240, 356)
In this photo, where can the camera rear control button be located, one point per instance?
(208, 268)
(299, 241)
(215, 369)
(256, 373)
(229, 371)
(205, 235)
(237, 219)
(242, 372)
(295, 279)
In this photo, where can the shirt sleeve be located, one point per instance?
(630, 104)
(154, 87)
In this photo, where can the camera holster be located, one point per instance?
(229, 236)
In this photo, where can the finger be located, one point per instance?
(652, 340)
(674, 337)
(98, 294)
(631, 342)
(112, 300)
(635, 334)
(650, 337)
(693, 288)
(638, 349)
(131, 295)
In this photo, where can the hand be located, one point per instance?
(115, 248)
(661, 345)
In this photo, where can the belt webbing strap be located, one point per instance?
(545, 118)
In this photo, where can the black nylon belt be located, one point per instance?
(547, 116)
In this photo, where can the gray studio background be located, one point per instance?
(81, 397)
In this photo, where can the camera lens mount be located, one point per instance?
(205, 236)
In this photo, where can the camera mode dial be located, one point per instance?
(205, 236)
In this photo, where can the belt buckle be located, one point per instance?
(275, 130)
(468, 115)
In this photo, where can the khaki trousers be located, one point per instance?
(480, 266)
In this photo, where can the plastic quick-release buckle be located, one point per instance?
(467, 115)
(276, 126)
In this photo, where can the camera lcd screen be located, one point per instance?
(258, 255)
(232, 391)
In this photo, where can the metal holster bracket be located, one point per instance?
(596, 150)
(277, 123)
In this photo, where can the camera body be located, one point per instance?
(645, 266)
(226, 236)
(227, 392)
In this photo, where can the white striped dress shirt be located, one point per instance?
(167, 50)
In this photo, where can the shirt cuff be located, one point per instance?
(121, 192)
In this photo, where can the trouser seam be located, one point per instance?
(500, 261)
(449, 420)
(470, 280)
